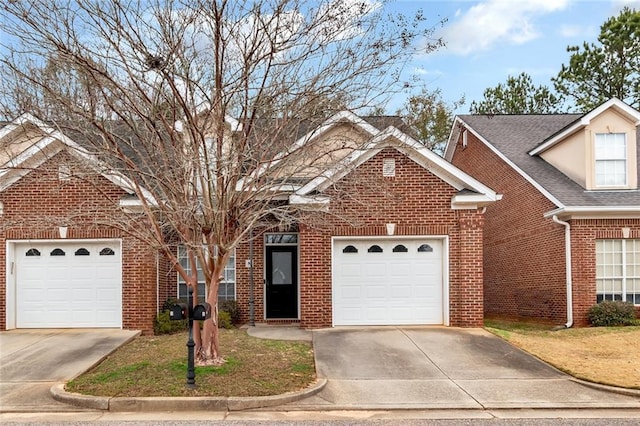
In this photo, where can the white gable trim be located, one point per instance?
(584, 121)
(392, 137)
(52, 142)
(511, 164)
(335, 120)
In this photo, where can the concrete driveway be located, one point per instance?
(440, 367)
(31, 361)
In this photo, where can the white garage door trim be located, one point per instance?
(93, 316)
(443, 239)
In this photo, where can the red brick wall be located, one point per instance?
(419, 203)
(242, 278)
(524, 253)
(36, 205)
(584, 233)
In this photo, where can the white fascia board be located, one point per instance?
(331, 122)
(25, 119)
(595, 212)
(338, 171)
(559, 137)
(317, 200)
(131, 205)
(408, 146)
(450, 148)
(336, 119)
(464, 180)
(615, 103)
(511, 164)
(32, 158)
(471, 201)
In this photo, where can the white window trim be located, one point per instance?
(179, 280)
(624, 276)
(625, 159)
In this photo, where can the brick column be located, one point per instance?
(466, 287)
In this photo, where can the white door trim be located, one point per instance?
(445, 265)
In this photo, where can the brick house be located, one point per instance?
(566, 233)
(391, 234)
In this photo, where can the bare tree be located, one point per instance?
(151, 88)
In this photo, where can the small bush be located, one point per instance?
(610, 313)
(224, 320)
(163, 324)
(232, 308)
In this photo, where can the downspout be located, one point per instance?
(157, 283)
(567, 245)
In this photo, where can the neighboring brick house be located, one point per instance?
(390, 234)
(566, 233)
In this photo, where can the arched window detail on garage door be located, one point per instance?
(107, 252)
(425, 248)
(32, 252)
(375, 249)
(400, 249)
(349, 249)
(57, 252)
(82, 252)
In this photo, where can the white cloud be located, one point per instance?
(493, 22)
(425, 72)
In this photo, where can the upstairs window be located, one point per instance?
(611, 159)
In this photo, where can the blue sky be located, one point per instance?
(488, 40)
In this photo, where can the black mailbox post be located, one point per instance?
(200, 312)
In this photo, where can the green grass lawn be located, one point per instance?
(157, 366)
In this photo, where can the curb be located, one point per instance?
(607, 388)
(142, 404)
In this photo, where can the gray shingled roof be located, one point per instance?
(515, 135)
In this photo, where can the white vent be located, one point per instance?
(64, 172)
(389, 167)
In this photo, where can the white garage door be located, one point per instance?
(387, 282)
(66, 285)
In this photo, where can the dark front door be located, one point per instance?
(281, 280)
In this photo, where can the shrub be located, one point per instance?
(224, 320)
(610, 313)
(163, 324)
(232, 308)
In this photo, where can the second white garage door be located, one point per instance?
(63, 284)
(388, 281)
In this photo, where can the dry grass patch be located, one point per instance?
(607, 355)
(157, 366)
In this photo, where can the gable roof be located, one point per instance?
(513, 137)
(471, 192)
(585, 120)
(42, 148)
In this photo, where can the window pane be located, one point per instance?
(226, 290)
(611, 146)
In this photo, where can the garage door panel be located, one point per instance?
(398, 287)
(79, 289)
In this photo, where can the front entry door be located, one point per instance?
(281, 281)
